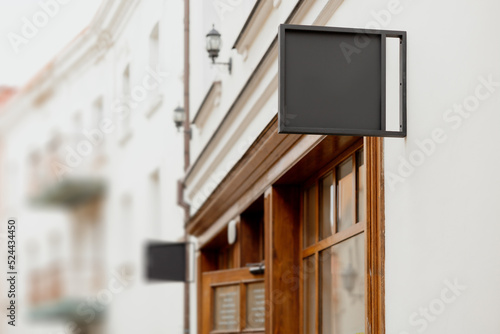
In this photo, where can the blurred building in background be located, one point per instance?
(90, 159)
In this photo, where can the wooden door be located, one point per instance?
(233, 301)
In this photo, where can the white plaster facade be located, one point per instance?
(441, 218)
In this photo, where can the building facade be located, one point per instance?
(343, 234)
(293, 233)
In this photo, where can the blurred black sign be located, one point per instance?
(166, 261)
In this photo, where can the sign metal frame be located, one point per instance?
(284, 29)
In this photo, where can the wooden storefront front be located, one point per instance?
(310, 209)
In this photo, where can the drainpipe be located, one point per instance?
(185, 206)
(187, 122)
(187, 138)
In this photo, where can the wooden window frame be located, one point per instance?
(373, 228)
(240, 277)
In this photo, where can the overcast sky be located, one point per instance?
(31, 36)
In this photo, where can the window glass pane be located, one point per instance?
(361, 185)
(345, 196)
(326, 227)
(227, 308)
(310, 216)
(309, 268)
(256, 305)
(342, 284)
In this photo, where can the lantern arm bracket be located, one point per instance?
(229, 64)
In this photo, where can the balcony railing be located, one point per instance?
(55, 180)
(56, 292)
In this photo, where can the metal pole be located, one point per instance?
(187, 138)
(187, 130)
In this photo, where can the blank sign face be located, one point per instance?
(332, 81)
(166, 262)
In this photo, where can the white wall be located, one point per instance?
(441, 215)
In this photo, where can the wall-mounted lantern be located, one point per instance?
(349, 276)
(179, 117)
(213, 48)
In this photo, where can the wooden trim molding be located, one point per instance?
(266, 150)
(375, 237)
(273, 158)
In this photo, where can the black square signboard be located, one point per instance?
(332, 81)
(166, 261)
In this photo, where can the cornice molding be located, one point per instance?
(249, 88)
(253, 24)
(326, 14)
(210, 101)
(295, 17)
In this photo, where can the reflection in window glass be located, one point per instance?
(309, 268)
(342, 284)
(310, 216)
(361, 185)
(326, 227)
(227, 308)
(345, 196)
(256, 305)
